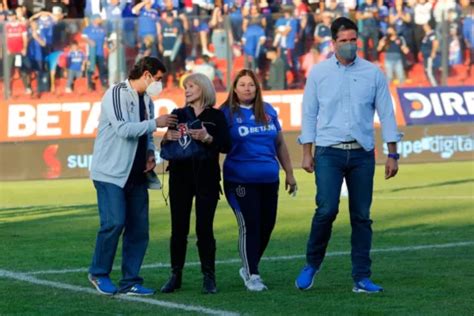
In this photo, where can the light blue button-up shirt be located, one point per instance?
(339, 104)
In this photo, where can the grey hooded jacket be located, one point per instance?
(118, 132)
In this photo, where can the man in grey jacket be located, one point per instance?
(123, 155)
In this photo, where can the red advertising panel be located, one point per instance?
(66, 118)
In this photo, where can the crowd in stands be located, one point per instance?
(279, 39)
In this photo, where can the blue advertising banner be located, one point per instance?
(437, 105)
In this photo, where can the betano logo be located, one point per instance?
(42, 120)
(429, 106)
(53, 119)
(59, 120)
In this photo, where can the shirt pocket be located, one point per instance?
(362, 92)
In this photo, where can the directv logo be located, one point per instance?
(434, 106)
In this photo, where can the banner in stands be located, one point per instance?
(46, 119)
(437, 105)
(72, 158)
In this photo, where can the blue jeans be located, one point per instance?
(357, 167)
(99, 61)
(394, 66)
(121, 210)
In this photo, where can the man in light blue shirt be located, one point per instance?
(339, 102)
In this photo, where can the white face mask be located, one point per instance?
(154, 89)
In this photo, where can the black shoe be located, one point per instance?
(209, 285)
(173, 283)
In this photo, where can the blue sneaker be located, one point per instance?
(138, 290)
(366, 286)
(305, 279)
(103, 284)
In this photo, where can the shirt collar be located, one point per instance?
(338, 63)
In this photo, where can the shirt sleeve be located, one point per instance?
(384, 108)
(222, 136)
(114, 107)
(310, 110)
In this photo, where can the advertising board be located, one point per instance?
(437, 105)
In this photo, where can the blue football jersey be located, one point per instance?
(253, 156)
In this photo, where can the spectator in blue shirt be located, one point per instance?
(236, 20)
(113, 14)
(336, 8)
(253, 41)
(3, 11)
(368, 15)
(170, 43)
(148, 23)
(401, 17)
(322, 34)
(76, 63)
(36, 56)
(431, 54)
(95, 36)
(201, 14)
(339, 102)
(251, 171)
(46, 23)
(286, 29)
(395, 48)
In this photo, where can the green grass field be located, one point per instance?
(423, 252)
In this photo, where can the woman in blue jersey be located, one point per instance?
(251, 171)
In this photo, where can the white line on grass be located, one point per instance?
(429, 197)
(279, 258)
(191, 308)
(424, 198)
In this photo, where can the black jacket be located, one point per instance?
(206, 172)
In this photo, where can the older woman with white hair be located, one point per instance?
(197, 177)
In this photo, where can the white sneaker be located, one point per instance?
(205, 52)
(68, 90)
(255, 283)
(243, 274)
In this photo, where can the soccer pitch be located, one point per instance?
(423, 252)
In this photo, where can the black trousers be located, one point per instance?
(24, 69)
(184, 187)
(255, 207)
(418, 35)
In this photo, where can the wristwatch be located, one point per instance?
(394, 156)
